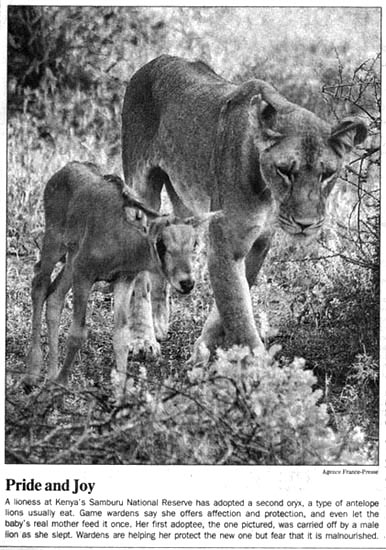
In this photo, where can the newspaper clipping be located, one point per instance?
(193, 294)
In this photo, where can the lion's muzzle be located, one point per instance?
(301, 227)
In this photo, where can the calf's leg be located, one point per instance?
(123, 290)
(54, 308)
(81, 287)
(52, 252)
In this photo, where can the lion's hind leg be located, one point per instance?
(144, 333)
(160, 293)
(142, 338)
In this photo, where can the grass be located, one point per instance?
(325, 311)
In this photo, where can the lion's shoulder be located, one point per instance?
(180, 80)
(193, 70)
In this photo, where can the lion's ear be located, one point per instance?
(350, 132)
(266, 115)
(241, 94)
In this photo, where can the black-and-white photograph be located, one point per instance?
(193, 235)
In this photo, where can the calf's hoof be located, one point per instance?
(200, 356)
(29, 382)
(61, 379)
(34, 361)
(161, 329)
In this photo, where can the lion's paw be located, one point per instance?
(144, 347)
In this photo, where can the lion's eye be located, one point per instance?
(327, 174)
(285, 172)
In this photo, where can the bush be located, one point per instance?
(357, 237)
(65, 65)
(242, 410)
(260, 411)
(70, 47)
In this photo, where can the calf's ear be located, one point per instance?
(350, 132)
(196, 221)
(130, 201)
(134, 214)
(157, 225)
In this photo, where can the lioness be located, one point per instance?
(243, 149)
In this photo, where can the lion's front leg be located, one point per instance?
(233, 300)
(231, 320)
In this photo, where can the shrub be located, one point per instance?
(254, 410)
(67, 65)
(357, 198)
(242, 410)
(70, 47)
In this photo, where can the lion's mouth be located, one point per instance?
(300, 228)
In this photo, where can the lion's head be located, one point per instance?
(300, 157)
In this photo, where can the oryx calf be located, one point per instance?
(89, 226)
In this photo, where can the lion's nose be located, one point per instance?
(305, 224)
(186, 285)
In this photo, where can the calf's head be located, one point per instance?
(173, 241)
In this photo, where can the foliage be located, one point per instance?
(73, 46)
(242, 410)
(61, 57)
(358, 238)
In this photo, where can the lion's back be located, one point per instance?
(170, 98)
(166, 76)
(169, 82)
